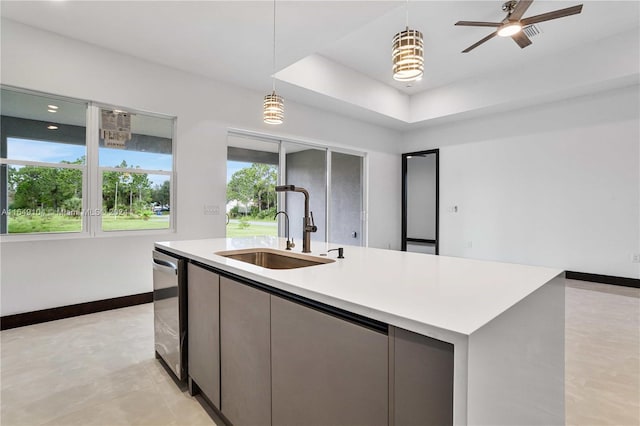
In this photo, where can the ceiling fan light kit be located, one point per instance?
(509, 29)
(513, 25)
(408, 55)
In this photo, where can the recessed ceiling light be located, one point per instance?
(52, 127)
(52, 106)
(52, 110)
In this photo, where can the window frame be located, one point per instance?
(81, 167)
(329, 148)
(92, 177)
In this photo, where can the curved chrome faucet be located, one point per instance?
(290, 244)
(308, 225)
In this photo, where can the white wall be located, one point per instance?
(384, 193)
(555, 185)
(42, 274)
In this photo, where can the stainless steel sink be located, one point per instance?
(273, 259)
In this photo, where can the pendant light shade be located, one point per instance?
(273, 108)
(408, 55)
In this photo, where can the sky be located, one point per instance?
(52, 152)
(234, 166)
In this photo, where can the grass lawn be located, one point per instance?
(131, 223)
(254, 229)
(60, 223)
(43, 223)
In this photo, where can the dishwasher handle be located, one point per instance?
(165, 266)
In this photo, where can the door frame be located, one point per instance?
(329, 150)
(404, 237)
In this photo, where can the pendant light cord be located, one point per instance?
(273, 74)
(407, 13)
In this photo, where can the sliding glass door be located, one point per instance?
(252, 174)
(346, 204)
(306, 167)
(334, 180)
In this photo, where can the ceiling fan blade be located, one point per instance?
(520, 9)
(473, 46)
(521, 38)
(478, 24)
(561, 13)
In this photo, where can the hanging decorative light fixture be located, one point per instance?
(408, 53)
(273, 107)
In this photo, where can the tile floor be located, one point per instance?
(100, 369)
(94, 369)
(602, 353)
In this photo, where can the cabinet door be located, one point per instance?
(245, 353)
(423, 374)
(325, 370)
(203, 301)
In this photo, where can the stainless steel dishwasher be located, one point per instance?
(169, 311)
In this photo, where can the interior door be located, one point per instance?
(420, 194)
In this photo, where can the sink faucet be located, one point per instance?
(290, 244)
(308, 225)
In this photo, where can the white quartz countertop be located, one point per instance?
(430, 295)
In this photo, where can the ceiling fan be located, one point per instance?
(512, 25)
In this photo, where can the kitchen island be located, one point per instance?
(488, 336)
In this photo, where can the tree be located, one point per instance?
(33, 187)
(161, 194)
(142, 186)
(120, 187)
(254, 185)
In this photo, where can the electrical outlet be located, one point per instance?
(211, 210)
(635, 258)
(469, 244)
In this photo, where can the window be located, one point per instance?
(43, 164)
(57, 177)
(334, 179)
(136, 176)
(252, 175)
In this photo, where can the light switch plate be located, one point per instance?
(211, 209)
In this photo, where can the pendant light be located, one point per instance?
(273, 107)
(408, 53)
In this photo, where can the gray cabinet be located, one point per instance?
(422, 369)
(326, 370)
(203, 301)
(245, 353)
(262, 359)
